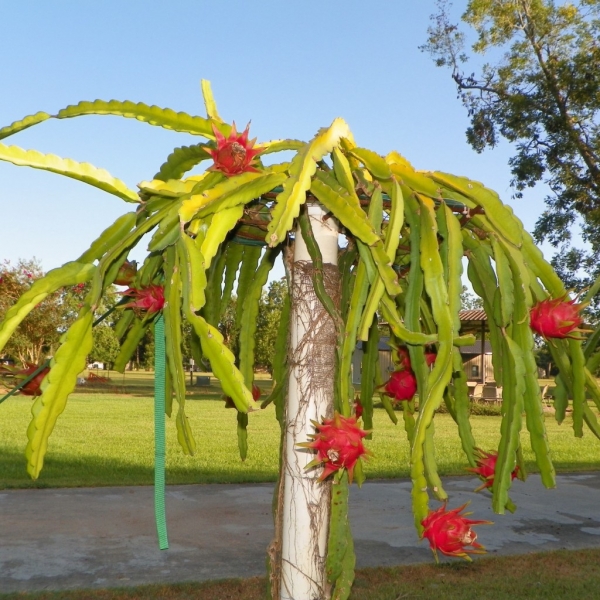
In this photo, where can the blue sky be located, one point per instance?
(290, 67)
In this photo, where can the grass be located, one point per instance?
(543, 576)
(105, 439)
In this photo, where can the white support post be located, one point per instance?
(306, 501)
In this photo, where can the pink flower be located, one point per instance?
(235, 154)
(150, 299)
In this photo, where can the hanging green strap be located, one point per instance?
(159, 432)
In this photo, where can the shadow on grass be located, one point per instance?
(62, 471)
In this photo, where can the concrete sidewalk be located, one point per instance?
(105, 537)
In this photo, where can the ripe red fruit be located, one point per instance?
(235, 154)
(486, 465)
(339, 445)
(127, 272)
(556, 318)
(450, 533)
(402, 385)
(150, 299)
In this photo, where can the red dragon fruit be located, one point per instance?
(402, 385)
(556, 318)
(235, 154)
(127, 272)
(486, 465)
(150, 299)
(450, 533)
(339, 445)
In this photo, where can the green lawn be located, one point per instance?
(107, 439)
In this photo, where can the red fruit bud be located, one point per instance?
(556, 318)
(358, 408)
(404, 358)
(127, 272)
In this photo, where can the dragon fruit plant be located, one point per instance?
(408, 232)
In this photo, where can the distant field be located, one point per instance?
(107, 439)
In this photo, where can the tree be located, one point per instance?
(469, 301)
(105, 347)
(38, 333)
(407, 234)
(541, 93)
(269, 318)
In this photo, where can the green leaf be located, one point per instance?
(500, 216)
(68, 361)
(70, 273)
(85, 172)
(240, 189)
(345, 207)
(209, 101)
(153, 115)
(172, 316)
(301, 170)
(169, 188)
(28, 121)
(109, 237)
(340, 556)
(373, 163)
(249, 322)
(222, 223)
(279, 146)
(182, 160)
(222, 362)
(130, 343)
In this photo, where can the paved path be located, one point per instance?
(105, 537)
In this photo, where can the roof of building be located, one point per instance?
(473, 315)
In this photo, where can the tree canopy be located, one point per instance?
(39, 332)
(541, 93)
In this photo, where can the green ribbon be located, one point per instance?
(159, 432)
